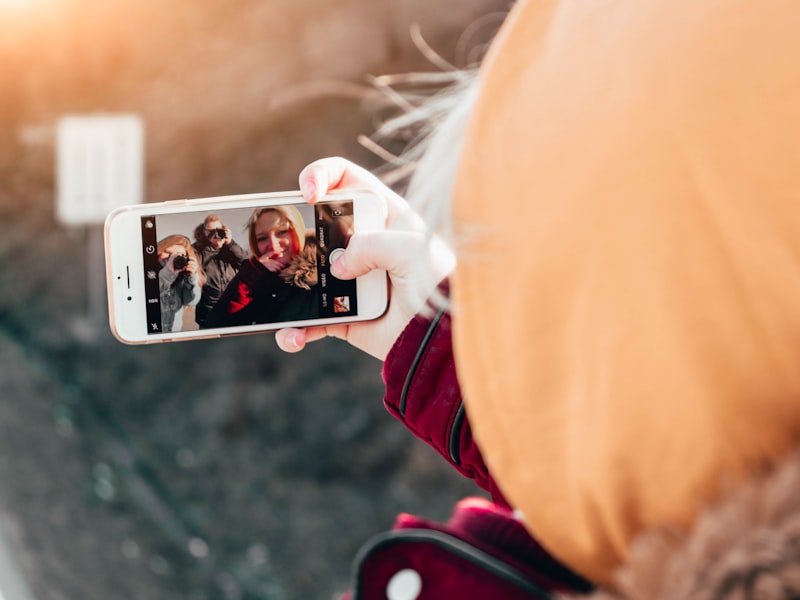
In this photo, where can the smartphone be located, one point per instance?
(213, 267)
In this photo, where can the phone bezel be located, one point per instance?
(125, 270)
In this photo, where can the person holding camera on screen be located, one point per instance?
(279, 281)
(180, 280)
(221, 258)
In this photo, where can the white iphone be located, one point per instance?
(212, 267)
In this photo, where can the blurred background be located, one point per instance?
(208, 469)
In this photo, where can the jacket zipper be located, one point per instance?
(458, 421)
(417, 358)
(455, 435)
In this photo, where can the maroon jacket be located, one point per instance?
(483, 551)
(422, 391)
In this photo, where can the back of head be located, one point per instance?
(627, 305)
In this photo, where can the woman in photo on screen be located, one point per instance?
(180, 280)
(279, 281)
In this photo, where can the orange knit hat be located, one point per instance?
(636, 343)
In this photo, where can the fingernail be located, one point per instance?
(337, 265)
(293, 340)
(308, 188)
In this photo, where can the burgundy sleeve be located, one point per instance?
(422, 391)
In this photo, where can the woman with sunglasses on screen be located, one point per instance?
(221, 257)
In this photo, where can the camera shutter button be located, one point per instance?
(334, 256)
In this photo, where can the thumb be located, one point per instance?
(392, 251)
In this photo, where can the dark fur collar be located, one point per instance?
(302, 271)
(747, 546)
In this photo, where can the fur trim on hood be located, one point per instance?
(302, 271)
(748, 546)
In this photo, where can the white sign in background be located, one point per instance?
(99, 166)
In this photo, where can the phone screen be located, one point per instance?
(239, 266)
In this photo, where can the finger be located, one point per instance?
(270, 264)
(392, 251)
(333, 173)
(294, 340)
(327, 174)
(290, 340)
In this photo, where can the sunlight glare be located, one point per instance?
(11, 4)
(22, 11)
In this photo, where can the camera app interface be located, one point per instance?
(234, 267)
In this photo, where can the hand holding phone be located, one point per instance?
(415, 260)
(165, 287)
